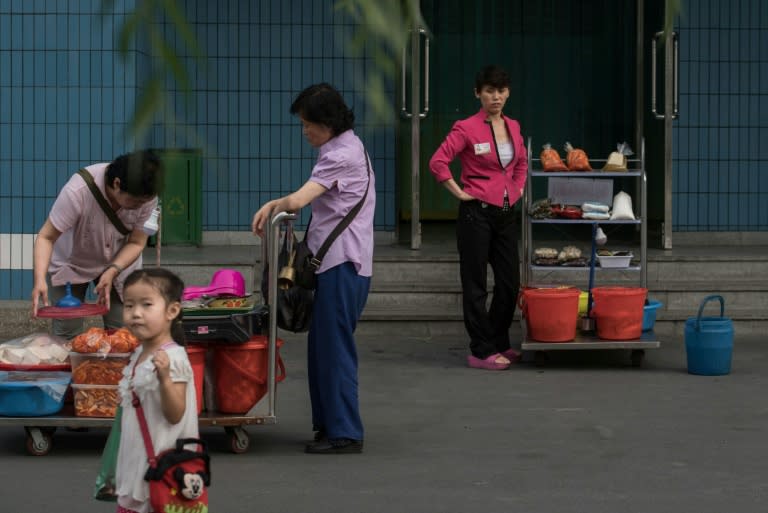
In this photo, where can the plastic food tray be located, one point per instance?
(222, 325)
(616, 262)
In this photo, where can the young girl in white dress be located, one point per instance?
(161, 375)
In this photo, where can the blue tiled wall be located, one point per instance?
(65, 100)
(719, 150)
(260, 55)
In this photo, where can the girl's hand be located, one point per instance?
(162, 364)
(39, 297)
(463, 196)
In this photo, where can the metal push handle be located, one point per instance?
(272, 247)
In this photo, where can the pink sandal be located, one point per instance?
(513, 355)
(487, 363)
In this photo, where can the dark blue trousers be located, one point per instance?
(340, 297)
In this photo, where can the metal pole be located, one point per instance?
(415, 137)
(272, 248)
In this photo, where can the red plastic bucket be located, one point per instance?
(196, 356)
(550, 314)
(240, 373)
(618, 312)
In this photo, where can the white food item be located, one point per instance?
(14, 355)
(30, 358)
(58, 353)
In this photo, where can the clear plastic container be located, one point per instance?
(98, 368)
(96, 400)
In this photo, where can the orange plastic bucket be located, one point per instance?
(550, 314)
(240, 373)
(618, 312)
(196, 356)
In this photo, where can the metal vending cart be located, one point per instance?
(534, 275)
(40, 430)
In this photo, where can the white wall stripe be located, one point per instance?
(16, 251)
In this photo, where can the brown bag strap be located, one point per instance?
(317, 259)
(102, 201)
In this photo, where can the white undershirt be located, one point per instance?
(505, 153)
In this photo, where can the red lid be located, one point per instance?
(73, 312)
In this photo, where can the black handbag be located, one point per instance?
(294, 304)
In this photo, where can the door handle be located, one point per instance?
(675, 76)
(404, 110)
(654, 110)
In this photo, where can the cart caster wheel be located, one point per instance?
(39, 441)
(636, 357)
(239, 440)
(540, 358)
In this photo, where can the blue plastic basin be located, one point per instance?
(32, 394)
(649, 314)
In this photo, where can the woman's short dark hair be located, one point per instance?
(493, 76)
(140, 173)
(321, 103)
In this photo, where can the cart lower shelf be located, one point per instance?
(40, 430)
(647, 340)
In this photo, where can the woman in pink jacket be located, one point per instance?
(494, 166)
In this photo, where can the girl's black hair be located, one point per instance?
(321, 103)
(140, 173)
(170, 287)
(493, 76)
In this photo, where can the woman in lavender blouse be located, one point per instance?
(340, 178)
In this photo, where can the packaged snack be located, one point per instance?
(34, 351)
(550, 159)
(576, 159)
(617, 160)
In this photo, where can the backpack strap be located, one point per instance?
(102, 201)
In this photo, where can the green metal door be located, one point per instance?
(181, 199)
(572, 66)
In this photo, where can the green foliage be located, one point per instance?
(142, 25)
(383, 29)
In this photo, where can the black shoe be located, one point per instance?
(319, 436)
(340, 446)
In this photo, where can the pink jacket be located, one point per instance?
(482, 176)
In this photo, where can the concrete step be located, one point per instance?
(419, 294)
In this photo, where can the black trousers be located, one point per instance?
(486, 234)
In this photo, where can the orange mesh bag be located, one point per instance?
(95, 340)
(577, 159)
(550, 159)
(122, 341)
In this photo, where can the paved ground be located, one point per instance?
(587, 433)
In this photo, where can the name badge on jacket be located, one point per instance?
(482, 148)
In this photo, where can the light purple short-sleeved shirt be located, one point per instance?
(88, 240)
(342, 169)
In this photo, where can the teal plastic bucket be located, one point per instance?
(709, 342)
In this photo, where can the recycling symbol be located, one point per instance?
(174, 206)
